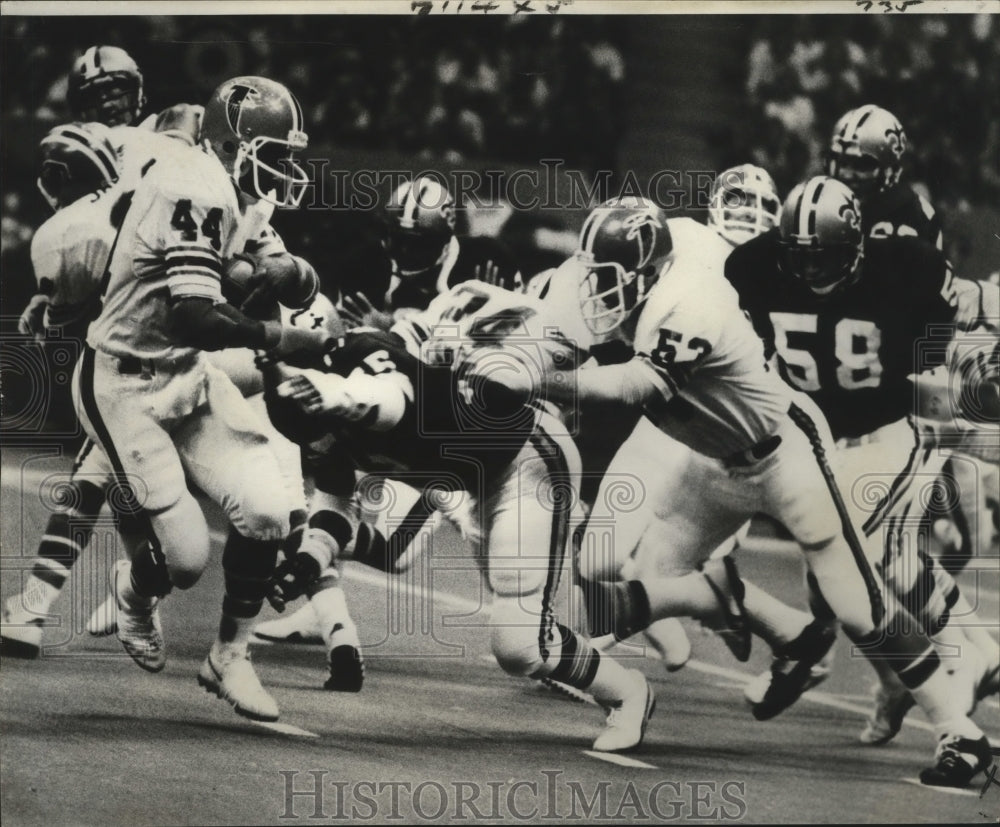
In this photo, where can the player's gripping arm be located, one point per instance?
(191, 234)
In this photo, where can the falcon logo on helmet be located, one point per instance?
(820, 234)
(624, 245)
(867, 150)
(105, 85)
(234, 105)
(743, 204)
(254, 127)
(75, 160)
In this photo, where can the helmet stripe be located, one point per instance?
(594, 222)
(805, 211)
(80, 141)
(861, 114)
(97, 57)
(410, 206)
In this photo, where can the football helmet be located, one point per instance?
(820, 234)
(624, 244)
(105, 85)
(254, 127)
(421, 217)
(744, 203)
(867, 150)
(74, 160)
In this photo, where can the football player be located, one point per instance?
(757, 446)
(427, 256)
(867, 152)
(743, 203)
(443, 416)
(78, 171)
(826, 299)
(163, 414)
(105, 86)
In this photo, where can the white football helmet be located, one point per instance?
(744, 204)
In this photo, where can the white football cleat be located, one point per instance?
(300, 627)
(236, 682)
(104, 619)
(138, 627)
(625, 726)
(21, 631)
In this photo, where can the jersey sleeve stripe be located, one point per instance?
(188, 260)
(190, 285)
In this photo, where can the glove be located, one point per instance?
(291, 579)
(32, 321)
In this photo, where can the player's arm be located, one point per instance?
(977, 305)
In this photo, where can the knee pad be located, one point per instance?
(181, 534)
(263, 515)
(516, 638)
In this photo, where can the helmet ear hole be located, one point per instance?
(228, 147)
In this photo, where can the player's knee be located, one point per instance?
(262, 515)
(514, 639)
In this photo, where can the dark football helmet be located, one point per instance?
(744, 203)
(105, 85)
(624, 244)
(867, 150)
(74, 160)
(421, 218)
(820, 234)
(254, 127)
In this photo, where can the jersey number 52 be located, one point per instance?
(856, 345)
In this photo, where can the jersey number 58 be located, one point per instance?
(856, 345)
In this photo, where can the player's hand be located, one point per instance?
(358, 311)
(290, 580)
(301, 390)
(488, 273)
(32, 321)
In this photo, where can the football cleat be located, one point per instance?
(957, 761)
(236, 682)
(797, 667)
(104, 619)
(626, 723)
(347, 666)
(138, 626)
(891, 706)
(724, 579)
(300, 627)
(21, 632)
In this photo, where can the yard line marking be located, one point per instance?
(620, 760)
(285, 729)
(950, 790)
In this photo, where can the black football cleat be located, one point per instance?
(959, 760)
(792, 671)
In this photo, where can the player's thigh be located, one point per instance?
(229, 456)
(528, 516)
(703, 507)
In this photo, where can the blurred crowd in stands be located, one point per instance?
(939, 74)
(511, 88)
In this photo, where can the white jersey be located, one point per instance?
(476, 314)
(138, 148)
(185, 219)
(69, 254)
(718, 395)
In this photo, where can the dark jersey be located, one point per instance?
(901, 212)
(469, 258)
(451, 435)
(852, 351)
